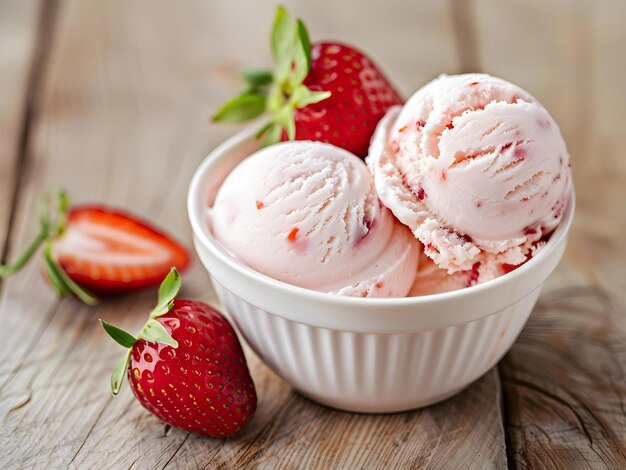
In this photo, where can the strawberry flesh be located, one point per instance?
(202, 386)
(107, 251)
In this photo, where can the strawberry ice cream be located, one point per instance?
(431, 279)
(306, 213)
(476, 168)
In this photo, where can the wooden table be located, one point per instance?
(112, 100)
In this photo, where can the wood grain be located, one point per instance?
(303, 434)
(123, 120)
(564, 383)
(19, 28)
(564, 378)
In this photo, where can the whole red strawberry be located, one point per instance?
(186, 366)
(327, 91)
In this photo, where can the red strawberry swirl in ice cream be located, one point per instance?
(476, 168)
(306, 213)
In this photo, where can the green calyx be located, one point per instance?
(278, 94)
(53, 209)
(153, 331)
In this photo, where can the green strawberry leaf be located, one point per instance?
(282, 40)
(305, 43)
(291, 41)
(122, 338)
(119, 371)
(285, 119)
(258, 78)
(154, 332)
(275, 101)
(58, 226)
(62, 283)
(57, 283)
(168, 290)
(272, 134)
(48, 228)
(302, 96)
(8, 269)
(242, 108)
(300, 55)
(290, 126)
(283, 92)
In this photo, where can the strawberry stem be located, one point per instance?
(19, 263)
(49, 227)
(281, 93)
(119, 371)
(62, 283)
(168, 290)
(153, 331)
(122, 338)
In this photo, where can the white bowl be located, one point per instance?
(366, 355)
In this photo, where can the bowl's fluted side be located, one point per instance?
(377, 372)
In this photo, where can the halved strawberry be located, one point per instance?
(98, 250)
(108, 251)
(326, 91)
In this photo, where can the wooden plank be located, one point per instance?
(601, 215)
(305, 435)
(124, 120)
(563, 379)
(18, 45)
(564, 383)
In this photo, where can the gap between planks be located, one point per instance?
(43, 45)
(465, 36)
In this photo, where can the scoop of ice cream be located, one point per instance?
(306, 213)
(475, 167)
(431, 279)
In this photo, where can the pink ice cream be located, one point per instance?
(476, 168)
(431, 279)
(307, 214)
